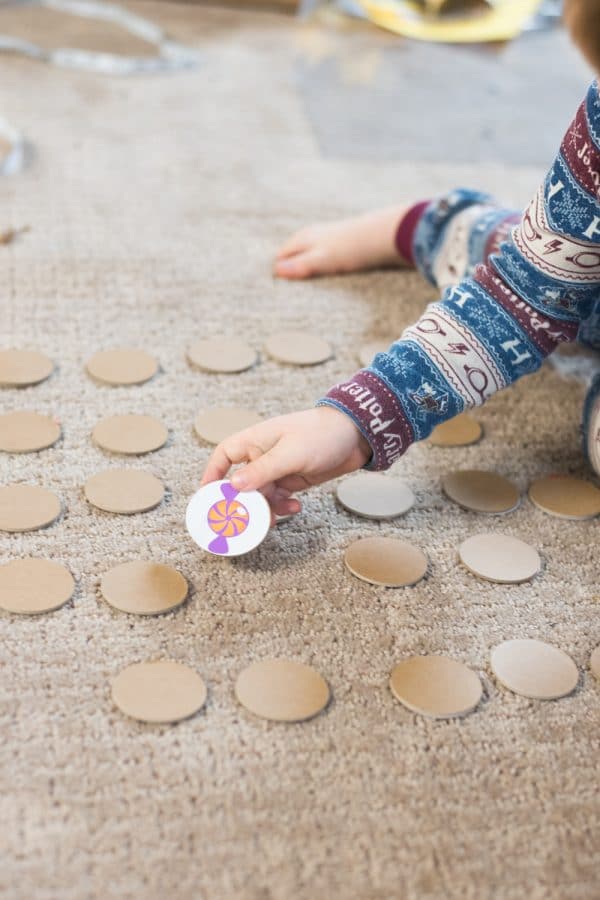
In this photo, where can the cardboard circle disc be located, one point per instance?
(31, 586)
(375, 496)
(20, 368)
(500, 558)
(481, 491)
(534, 669)
(436, 686)
(214, 425)
(282, 690)
(298, 348)
(595, 662)
(369, 350)
(124, 491)
(143, 588)
(25, 432)
(130, 434)
(27, 507)
(159, 692)
(227, 522)
(565, 497)
(122, 367)
(227, 355)
(386, 561)
(460, 431)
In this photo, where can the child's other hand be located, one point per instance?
(290, 453)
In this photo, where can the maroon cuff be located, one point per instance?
(406, 231)
(377, 412)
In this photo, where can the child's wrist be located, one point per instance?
(352, 432)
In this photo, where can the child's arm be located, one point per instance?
(486, 333)
(500, 324)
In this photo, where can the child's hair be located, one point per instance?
(583, 21)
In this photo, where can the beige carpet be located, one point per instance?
(155, 205)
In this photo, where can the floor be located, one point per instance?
(155, 204)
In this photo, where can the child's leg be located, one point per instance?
(454, 234)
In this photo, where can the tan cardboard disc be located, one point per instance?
(222, 355)
(31, 586)
(122, 367)
(566, 497)
(298, 348)
(595, 662)
(159, 692)
(282, 690)
(368, 351)
(26, 507)
(386, 561)
(534, 669)
(214, 425)
(19, 368)
(500, 558)
(484, 492)
(143, 588)
(436, 686)
(375, 496)
(457, 432)
(25, 432)
(130, 434)
(124, 491)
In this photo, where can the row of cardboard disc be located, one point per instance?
(391, 562)
(125, 491)
(129, 365)
(376, 496)
(25, 431)
(283, 690)
(27, 507)
(30, 586)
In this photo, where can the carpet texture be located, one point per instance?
(155, 205)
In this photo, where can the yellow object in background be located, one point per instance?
(503, 21)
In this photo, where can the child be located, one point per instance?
(515, 288)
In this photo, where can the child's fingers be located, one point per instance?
(271, 466)
(293, 483)
(217, 466)
(237, 448)
(281, 503)
(288, 507)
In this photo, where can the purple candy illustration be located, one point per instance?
(228, 518)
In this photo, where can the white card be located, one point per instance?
(225, 521)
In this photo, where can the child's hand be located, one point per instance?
(289, 454)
